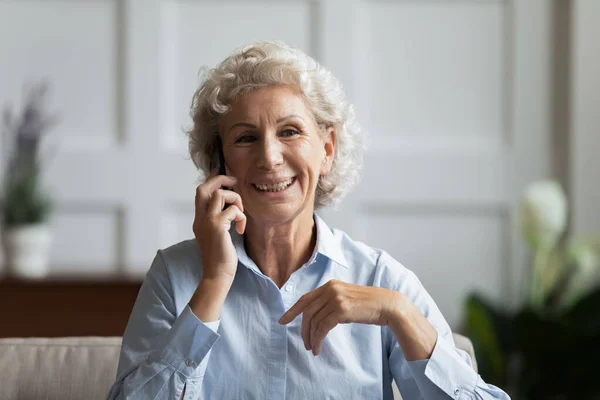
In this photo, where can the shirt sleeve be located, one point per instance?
(450, 370)
(162, 352)
(448, 373)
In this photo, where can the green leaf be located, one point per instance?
(482, 329)
(24, 201)
(558, 359)
(585, 314)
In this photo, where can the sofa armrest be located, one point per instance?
(58, 368)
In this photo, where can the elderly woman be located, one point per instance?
(268, 302)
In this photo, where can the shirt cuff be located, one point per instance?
(447, 370)
(189, 342)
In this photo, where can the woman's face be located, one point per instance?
(276, 150)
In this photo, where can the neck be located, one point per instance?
(279, 249)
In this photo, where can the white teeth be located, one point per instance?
(277, 187)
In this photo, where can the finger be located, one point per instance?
(322, 329)
(204, 192)
(215, 182)
(307, 318)
(323, 313)
(240, 223)
(220, 197)
(299, 306)
(233, 213)
(295, 310)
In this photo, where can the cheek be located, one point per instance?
(310, 157)
(237, 162)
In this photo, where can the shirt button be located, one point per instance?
(456, 391)
(288, 288)
(188, 363)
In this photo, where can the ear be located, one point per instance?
(329, 147)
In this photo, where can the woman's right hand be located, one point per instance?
(212, 224)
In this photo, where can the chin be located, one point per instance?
(276, 213)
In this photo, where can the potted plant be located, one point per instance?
(25, 207)
(549, 348)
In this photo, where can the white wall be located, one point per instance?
(585, 117)
(454, 95)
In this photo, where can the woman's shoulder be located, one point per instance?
(186, 250)
(376, 267)
(385, 269)
(182, 261)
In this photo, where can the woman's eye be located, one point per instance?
(290, 132)
(246, 139)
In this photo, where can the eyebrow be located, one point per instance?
(247, 125)
(288, 117)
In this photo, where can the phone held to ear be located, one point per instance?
(218, 161)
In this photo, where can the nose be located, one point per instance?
(270, 153)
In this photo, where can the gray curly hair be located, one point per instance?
(269, 63)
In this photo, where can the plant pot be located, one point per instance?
(27, 250)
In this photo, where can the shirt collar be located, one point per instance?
(328, 245)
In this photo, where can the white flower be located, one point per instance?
(543, 213)
(584, 259)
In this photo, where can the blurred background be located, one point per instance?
(466, 102)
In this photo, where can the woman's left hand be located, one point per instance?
(339, 303)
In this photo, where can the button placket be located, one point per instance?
(287, 294)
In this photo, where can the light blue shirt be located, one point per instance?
(247, 354)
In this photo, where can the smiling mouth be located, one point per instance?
(275, 187)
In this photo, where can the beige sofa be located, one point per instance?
(73, 368)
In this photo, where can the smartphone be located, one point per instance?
(218, 161)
